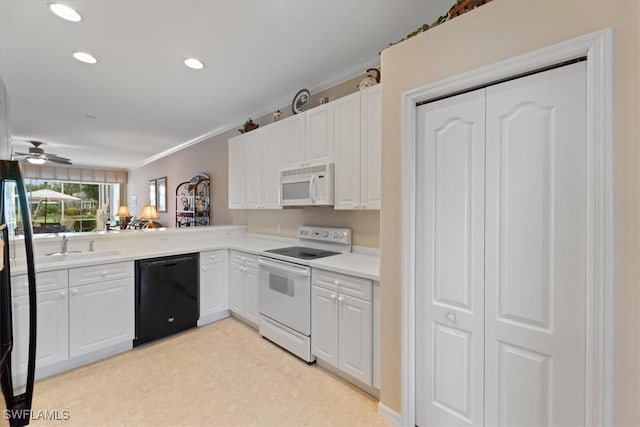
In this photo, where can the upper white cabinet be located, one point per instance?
(371, 145)
(357, 150)
(271, 165)
(293, 141)
(237, 167)
(255, 161)
(346, 132)
(319, 132)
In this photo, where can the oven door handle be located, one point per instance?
(282, 267)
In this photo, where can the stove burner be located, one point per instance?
(302, 252)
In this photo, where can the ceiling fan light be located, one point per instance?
(65, 12)
(36, 160)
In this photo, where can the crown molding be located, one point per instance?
(318, 85)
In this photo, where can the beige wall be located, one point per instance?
(494, 32)
(210, 157)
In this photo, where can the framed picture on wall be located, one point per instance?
(161, 192)
(152, 192)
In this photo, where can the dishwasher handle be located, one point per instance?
(280, 266)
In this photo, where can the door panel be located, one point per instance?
(214, 288)
(253, 172)
(320, 134)
(236, 289)
(371, 166)
(101, 315)
(293, 141)
(324, 325)
(271, 165)
(536, 249)
(450, 260)
(452, 371)
(347, 152)
(251, 294)
(355, 338)
(237, 168)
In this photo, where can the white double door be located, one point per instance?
(500, 254)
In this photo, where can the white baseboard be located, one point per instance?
(205, 320)
(389, 414)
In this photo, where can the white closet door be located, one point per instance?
(536, 249)
(450, 261)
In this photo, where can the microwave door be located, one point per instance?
(296, 192)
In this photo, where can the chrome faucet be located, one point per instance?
(65, 243)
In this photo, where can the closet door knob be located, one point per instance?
(451, 317)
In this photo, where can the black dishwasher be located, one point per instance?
(166, 296)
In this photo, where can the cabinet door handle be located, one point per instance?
(336, 282)
(213, 257)
(104, 273)
(63, 293)
(340, 298)
(451, 317)
(202, 268)
(334, 296)
(74, 291)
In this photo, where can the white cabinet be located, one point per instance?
(255, 161)
(357, 150)
(355, 333)
(324, 324)
(307, 138)
(214, 284)
(52, 342)
(237, 167)
(253, 171)
(319, 135)
(101, 313)
(293, 141)
(342, 323)
(371, 146)
(243, 286)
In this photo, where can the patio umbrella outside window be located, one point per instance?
(47, 195)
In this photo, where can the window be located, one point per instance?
(63, 206)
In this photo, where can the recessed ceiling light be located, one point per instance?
(65, 12)
(85, 57)
(194, 63)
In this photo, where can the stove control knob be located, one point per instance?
(336, 235)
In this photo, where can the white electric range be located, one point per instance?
(284, 296)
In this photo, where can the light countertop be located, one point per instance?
(356, 264)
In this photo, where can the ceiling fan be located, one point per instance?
(37, 156)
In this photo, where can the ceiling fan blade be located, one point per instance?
(55, 156)
(60, 160)
(21, 154)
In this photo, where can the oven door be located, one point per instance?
(285, 294)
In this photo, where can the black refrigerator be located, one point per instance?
(13, 197)
(13, 204)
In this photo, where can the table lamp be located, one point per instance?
(150, 213)
(124, 215)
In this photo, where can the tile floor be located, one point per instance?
(220, 374)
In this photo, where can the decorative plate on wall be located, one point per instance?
(301, 101)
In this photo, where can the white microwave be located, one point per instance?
(310, 186)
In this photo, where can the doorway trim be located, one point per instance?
(598, 48)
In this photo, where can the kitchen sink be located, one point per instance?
(74, 256)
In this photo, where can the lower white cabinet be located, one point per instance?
(214, 283)
(101, 314)
(243, 285)
(341, 324)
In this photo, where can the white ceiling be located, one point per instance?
(257, 55)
